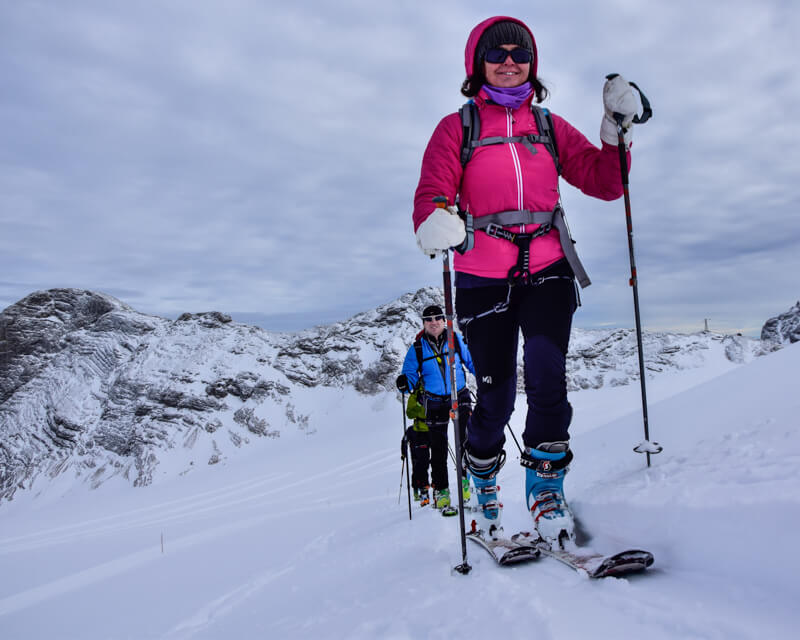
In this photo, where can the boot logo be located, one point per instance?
(545, 470)
(487, 379)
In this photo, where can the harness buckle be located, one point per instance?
(493, 229)
(543, 230)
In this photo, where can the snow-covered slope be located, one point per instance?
(305, 537)
(93, 389)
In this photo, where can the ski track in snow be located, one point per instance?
(313, 543)
(214, 502)
(145, 516)
(219, 502)
(222, 606)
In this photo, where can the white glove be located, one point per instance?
(441, 230)
(618, 98)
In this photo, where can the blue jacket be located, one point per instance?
(436, 368)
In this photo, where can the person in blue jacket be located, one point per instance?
(426, 374)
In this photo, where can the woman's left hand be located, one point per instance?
(618, 98)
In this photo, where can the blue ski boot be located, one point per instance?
(545, 468)
(483, 472)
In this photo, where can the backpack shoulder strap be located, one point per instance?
(418, 351)
(471, 132)
(544, 122)
(457, 343)
(470, 128)
(420, 357)
(458, 347)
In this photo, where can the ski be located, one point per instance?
(505, 551)
(591, 563)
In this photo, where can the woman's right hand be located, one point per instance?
(440, 231)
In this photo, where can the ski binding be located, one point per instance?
(504, 551)
(584, 560)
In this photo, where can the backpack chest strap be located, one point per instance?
(527, 141)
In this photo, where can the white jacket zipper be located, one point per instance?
(515, 159)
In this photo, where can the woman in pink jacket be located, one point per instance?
(519, 271)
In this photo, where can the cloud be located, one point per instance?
(257, 156)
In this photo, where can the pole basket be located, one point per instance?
(646, 446)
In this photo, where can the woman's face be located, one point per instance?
(507, 73)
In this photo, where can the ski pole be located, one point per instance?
(645, 446)
(508, 426)
(405, 456)
(464, 567)
(402, 470)
(516, 442)
(453, 458)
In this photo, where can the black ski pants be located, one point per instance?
(429, 448)
(544, 314)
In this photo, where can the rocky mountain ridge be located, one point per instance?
(91, 386)
(783, 329)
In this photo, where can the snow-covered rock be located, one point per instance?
(88, 384)
(91, 386)
(783, 329)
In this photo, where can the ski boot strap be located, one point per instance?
(487, 490)
(547, 462)
(547, 502)
(484, 468)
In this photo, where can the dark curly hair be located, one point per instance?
(473, 84)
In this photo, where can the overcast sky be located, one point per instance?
(260, 158)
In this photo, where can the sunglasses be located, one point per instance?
(498, 56)
(432, 318)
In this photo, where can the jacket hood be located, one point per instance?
(477, 32)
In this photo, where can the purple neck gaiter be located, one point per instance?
(509, 96)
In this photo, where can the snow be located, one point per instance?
(304, 537)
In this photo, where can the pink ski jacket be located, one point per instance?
(507, 177)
